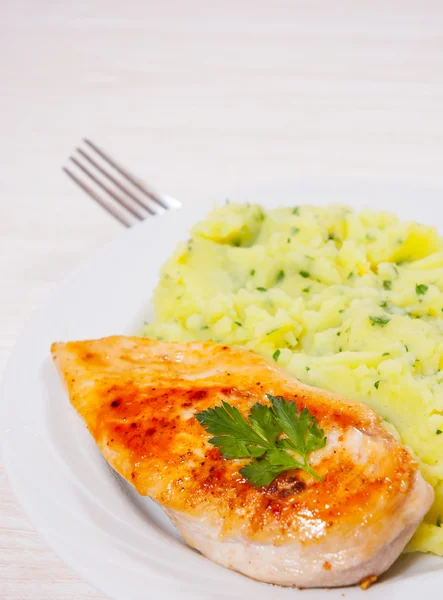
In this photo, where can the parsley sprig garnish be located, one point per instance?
(277, 437)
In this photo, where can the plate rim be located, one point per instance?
(11, 365)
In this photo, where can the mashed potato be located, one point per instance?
(349, 302)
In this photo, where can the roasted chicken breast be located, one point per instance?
(139, 398)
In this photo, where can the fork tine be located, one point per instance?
(142, 187)
(108, 190)
(110, 209)
(117, 183)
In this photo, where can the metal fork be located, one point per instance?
(113, 187)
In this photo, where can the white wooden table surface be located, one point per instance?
(194, 96)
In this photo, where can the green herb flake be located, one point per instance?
(438, 523)
(238, 323)
(308, 369)
(295, 230)
(387, 284)
(385, 354)
(438, 432)
(338, 333)
(273, 331)
(306, 290)
(261, 289)
(252, 272)
(376, 384)
(384, 304)
(296, 211)
(382, 321)
(406, 347)
(259, 437)
(280, 276)
(304, 274)
(276, 355)
(421, 289)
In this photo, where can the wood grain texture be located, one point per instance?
(197, 97)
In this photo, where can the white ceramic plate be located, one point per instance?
(117, 540)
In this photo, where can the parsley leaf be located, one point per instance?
(304, 434)
(304, 274)
(376, 384)
(438, 432)
(263, 420)
(382, 321)
(234, 436)
(261, 289)
(264, 470)
(421, 289)
(260, 437)
(387, 284)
